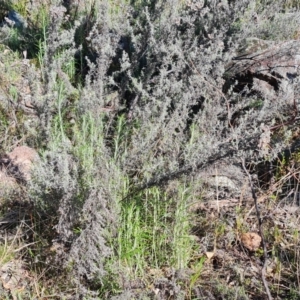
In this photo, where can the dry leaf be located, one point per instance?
(210, 254)
(251, 240)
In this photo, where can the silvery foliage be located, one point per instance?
(55, 185)
(166, 67)
(86, 213)
(174, 70)
(47, 101)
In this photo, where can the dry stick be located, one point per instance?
(158, 180)
(263, 270)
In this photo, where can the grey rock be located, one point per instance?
(224, 181)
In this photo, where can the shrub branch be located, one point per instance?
(263, 270)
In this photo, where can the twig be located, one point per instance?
(159, 180)
(217, 187)
(25, 246)
(263, 270)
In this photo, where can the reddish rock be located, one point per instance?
(8, 186)
(21, 160)
(251, 240)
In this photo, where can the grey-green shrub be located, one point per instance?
(152, 107)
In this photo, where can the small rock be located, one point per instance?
(14, 277)
(21, 160)
(8, 185)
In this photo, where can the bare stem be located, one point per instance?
(263, 270)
